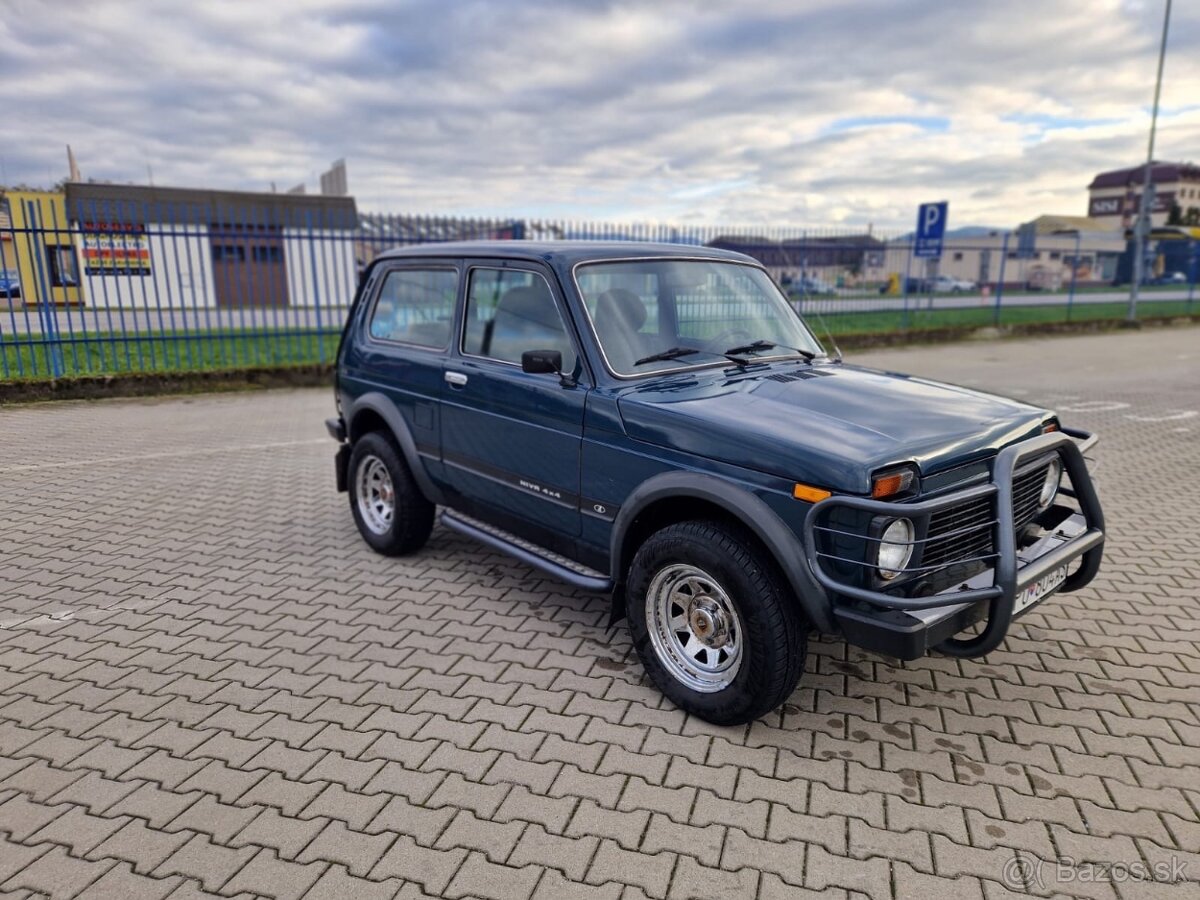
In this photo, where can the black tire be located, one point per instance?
(411, 518)
(774, 635)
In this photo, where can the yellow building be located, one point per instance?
(36, 245)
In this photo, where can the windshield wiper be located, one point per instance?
(756, 346)
(673, 353)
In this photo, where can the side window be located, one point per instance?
(509, 312)
(416, 306)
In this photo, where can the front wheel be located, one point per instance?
(714, 623)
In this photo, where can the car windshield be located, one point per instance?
(659, 315)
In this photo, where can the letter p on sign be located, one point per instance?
(933, 214)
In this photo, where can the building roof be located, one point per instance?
(1055, 224)
(138, 204)
(564, 252)
(1161, 173)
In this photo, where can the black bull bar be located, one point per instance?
(1009, 577)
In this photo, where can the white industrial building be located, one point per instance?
(169, 248)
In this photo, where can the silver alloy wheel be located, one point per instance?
(694, 628)
(375, 495)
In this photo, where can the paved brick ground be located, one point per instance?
(209, 684)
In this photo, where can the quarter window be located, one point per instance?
(509, 312)
(416, 306)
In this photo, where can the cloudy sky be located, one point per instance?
(799, 112)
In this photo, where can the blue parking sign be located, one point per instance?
(931, 228)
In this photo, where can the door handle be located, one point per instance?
(456, 379)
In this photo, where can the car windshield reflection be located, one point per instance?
(659, 315)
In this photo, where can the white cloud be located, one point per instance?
(772, 113)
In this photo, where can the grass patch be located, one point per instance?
(887, 321)
(111, 353)
(26, 358)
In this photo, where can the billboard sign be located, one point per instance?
(931, 230)
(111, 248)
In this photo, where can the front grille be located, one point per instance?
(965, 531)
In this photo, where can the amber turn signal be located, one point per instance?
(1049, 427)
(890, 485)
(809, 493)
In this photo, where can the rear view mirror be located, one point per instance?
(541, 362)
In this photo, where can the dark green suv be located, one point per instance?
(657, 423)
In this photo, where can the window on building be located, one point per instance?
(509, 312)
(416, 306)
(63, 272)
(229, 253)
(958, 256)
(1054, 254)
(267, 254)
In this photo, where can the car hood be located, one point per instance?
(827, 424)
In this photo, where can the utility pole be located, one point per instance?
(1141, 228)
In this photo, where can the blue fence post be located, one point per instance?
(1194, 272)
(58, 232)
(5, 368)
(1000, 283)
(316, 289)
(1074, 275)
(49, 318)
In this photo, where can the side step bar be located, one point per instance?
(553, 564)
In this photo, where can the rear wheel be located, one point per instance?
(714, 623)
(389, 509)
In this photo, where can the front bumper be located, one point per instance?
(907, 627)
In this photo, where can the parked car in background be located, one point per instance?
(10, 285)
(948, 284)
(1169, 278)
(807, 285)
(658, 424)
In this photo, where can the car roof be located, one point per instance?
(565, 252)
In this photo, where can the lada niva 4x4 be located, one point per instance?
(657, 423)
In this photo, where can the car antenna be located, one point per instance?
(837, 351)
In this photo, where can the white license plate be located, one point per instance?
(1040, 589)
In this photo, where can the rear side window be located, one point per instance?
(416, 306)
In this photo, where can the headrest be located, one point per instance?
(621, 309)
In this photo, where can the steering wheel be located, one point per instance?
(723, 339)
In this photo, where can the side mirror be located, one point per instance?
(541, 362)
(546, 362)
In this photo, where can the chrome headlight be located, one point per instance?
(895, 548)
(1050, 485)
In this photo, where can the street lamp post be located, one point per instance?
(1141, 229)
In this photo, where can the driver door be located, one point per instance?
(511, 441)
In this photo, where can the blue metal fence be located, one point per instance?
(120, 287)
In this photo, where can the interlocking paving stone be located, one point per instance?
(209, 684)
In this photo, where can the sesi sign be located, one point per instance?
(1105, 206)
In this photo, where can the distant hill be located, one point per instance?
(966, 231)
